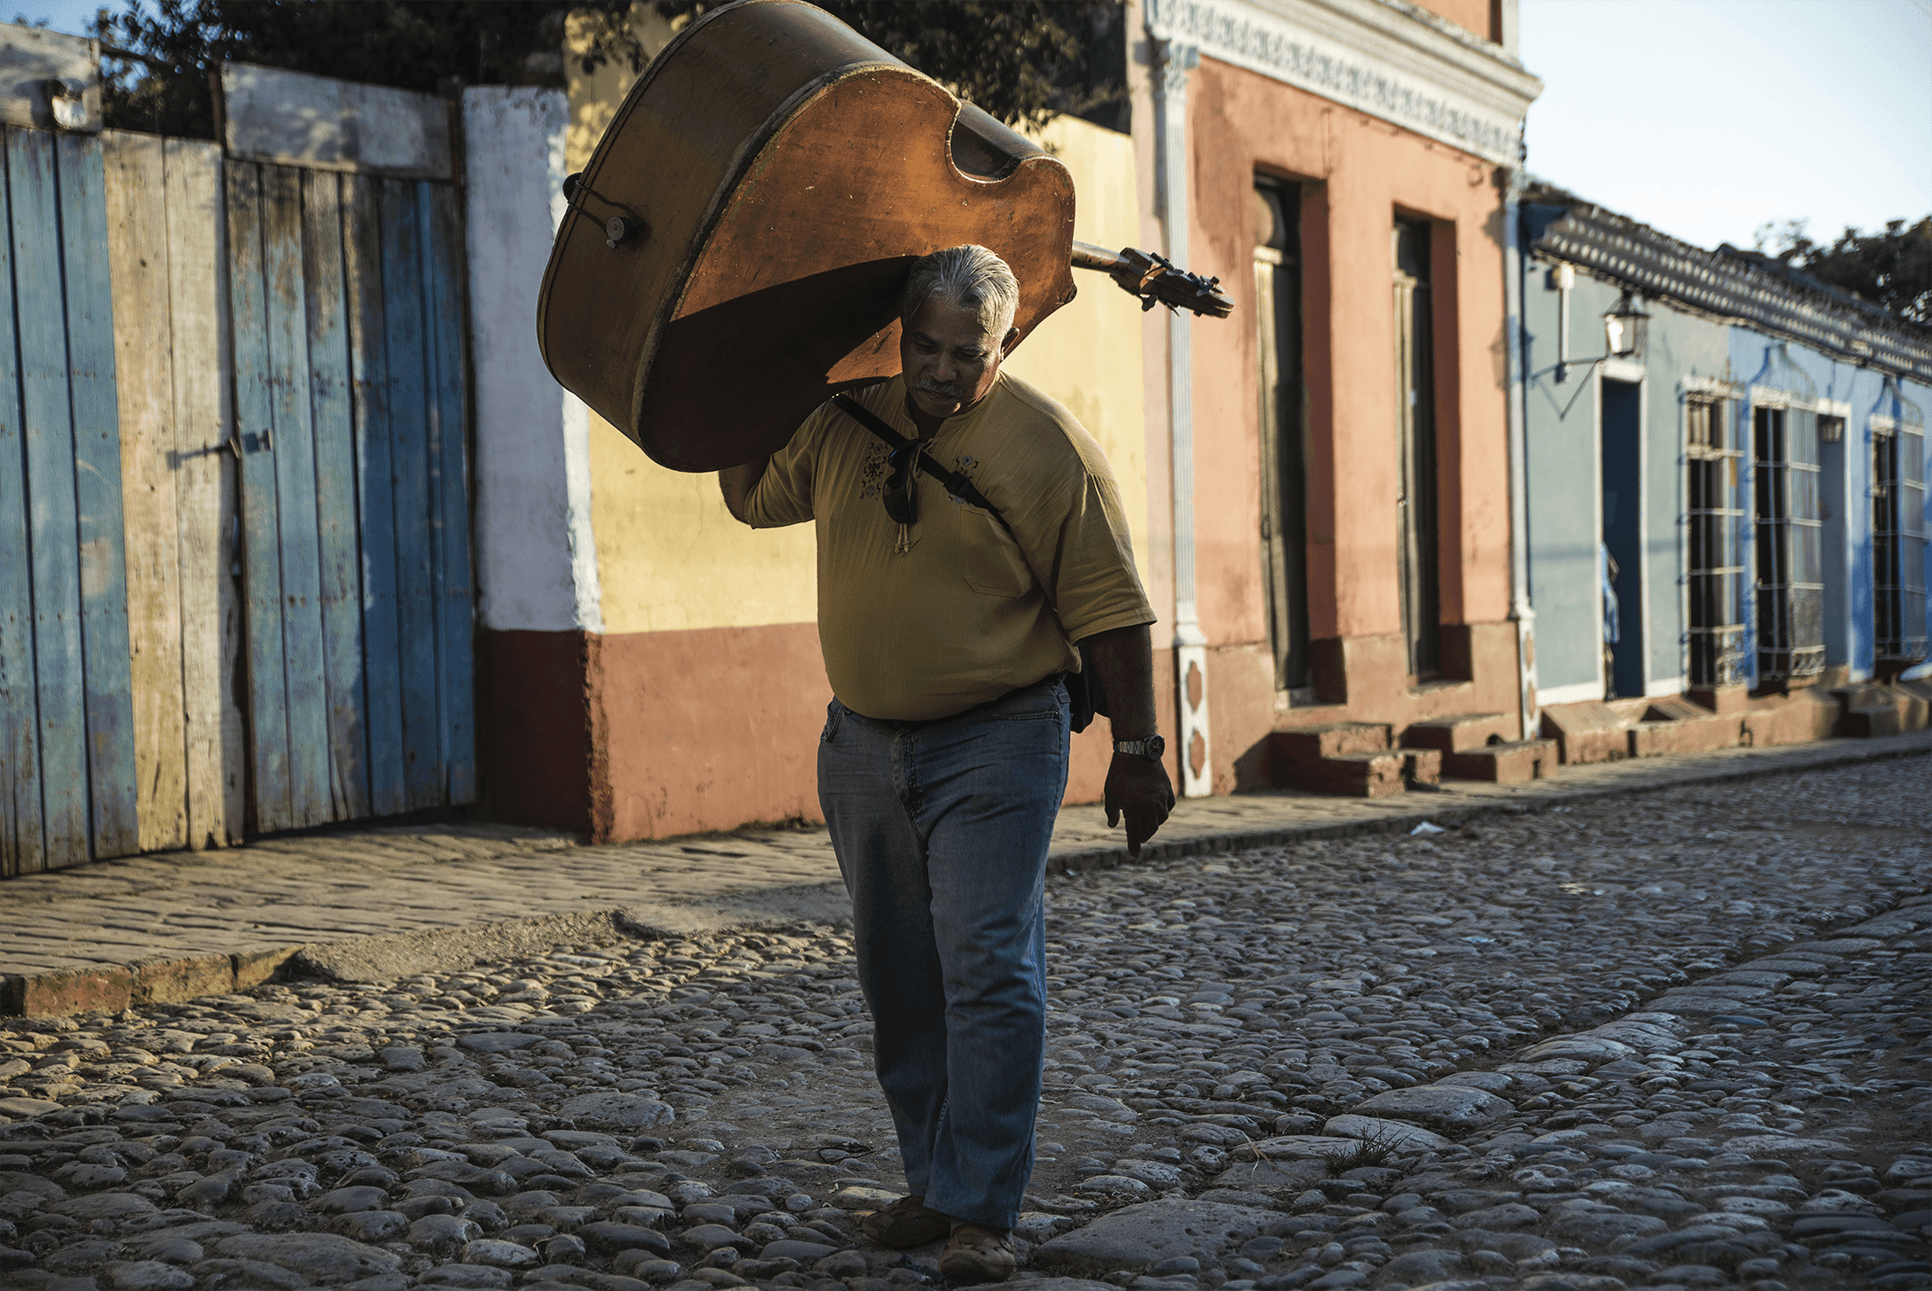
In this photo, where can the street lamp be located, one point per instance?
(1624, 328)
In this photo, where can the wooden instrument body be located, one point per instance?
(787, 173)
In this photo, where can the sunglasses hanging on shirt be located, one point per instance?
(901, 493)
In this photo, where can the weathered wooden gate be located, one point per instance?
(346, 308)
(235, 583)
(67, 776)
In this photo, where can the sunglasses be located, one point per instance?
(901, 493)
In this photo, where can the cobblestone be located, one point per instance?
(1669, 1040)
(377, 903)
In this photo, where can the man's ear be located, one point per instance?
(1011, 339)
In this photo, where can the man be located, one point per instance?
(943, 761)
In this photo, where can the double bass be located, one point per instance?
(735, 250)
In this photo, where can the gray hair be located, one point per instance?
(965, 277)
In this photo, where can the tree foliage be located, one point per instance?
(1023, 60)
(1020, 60)
(1892, 269)
(426, 45)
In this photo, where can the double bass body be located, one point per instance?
(734, 251)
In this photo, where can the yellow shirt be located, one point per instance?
(966, 612)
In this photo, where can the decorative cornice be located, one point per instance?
(1367, 55)
(1726, 284)
(1178, 59)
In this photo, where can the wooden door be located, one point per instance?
(350, 422)
(67, 782)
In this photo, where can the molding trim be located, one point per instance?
(1772, 397)
(1711, 385)
(1372, 56)
(1628, 370)
(1577, 693)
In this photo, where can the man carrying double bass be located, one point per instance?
(956, 572)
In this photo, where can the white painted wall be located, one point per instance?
(536, 556)
(297, 119)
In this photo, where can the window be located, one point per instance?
(1898, 540)
(1416, 412)
(1284, 472)
(1790, 545)
(1715, 567)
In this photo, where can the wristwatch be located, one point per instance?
(1150, 748)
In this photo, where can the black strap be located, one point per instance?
(956, 484)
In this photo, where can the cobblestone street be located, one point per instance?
(1676, 1039)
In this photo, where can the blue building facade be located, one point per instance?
(1724, 470)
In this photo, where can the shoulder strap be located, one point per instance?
(956, 484)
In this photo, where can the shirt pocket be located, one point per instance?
(989, 559)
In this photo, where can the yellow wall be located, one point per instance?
(671, 558)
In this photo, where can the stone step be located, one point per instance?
(1871, 721)
(1510, 762)
(1587, 731)
(1373, 774)
(1701, 732)
(1313, 743)
(1421, 768)
(1456, 734)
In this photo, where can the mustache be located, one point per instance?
(948, 391)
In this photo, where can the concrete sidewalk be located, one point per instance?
(367, 903)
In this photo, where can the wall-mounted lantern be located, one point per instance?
(1625, 328)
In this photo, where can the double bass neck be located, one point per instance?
(1154, 280)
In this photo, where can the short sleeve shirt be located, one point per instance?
(955, 611)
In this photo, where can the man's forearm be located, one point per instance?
(737, 482)
(1124, 658)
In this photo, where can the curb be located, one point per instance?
(386, 956)
(1276, 835)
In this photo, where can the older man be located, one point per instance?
(948, 632)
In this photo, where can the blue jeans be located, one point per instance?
(941, 833)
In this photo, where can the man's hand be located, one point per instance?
(1138, 788)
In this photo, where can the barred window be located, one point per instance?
(1790, 545)
(1715, 568)
(1898, 539)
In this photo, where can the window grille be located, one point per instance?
(1715, 568)
(1790, 545)
(1898, 533)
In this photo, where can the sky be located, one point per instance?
(1708, 118)
(1703, 118)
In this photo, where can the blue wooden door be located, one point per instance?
(67, 784)
(350, 423)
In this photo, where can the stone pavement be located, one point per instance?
(377, 903)
(1669, 1042)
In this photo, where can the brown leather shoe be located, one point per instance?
(906, 1223)
(977, 1254)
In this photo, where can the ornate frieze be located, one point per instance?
(1449, 93)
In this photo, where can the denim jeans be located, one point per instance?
(941, 833)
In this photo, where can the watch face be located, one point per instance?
(1156, 746)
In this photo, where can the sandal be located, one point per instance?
(975, 1254)
(906, 1223)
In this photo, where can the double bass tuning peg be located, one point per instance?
(619, 229)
